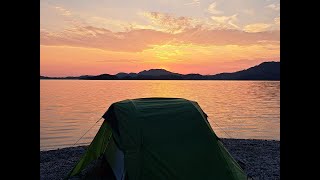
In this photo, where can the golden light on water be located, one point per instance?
(245, 109)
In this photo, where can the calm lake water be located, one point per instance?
(236, 109)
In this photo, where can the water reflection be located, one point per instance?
(242, 109)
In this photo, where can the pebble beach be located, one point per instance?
(260, 159)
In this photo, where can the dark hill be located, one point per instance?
(263, 71)
(103, 77)
(157, 72)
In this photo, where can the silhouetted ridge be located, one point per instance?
(157, 72)
(263, 71)
(103, 77)
(123, 75)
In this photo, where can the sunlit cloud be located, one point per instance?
(104, 39)
(69, 17)
(114, 24)
(250, 12)
(226, 21)
(225, 37)
(168, 22)
(193, 2)
(213, 9)
(259, 27)
(140, 39)
(63, 11)
(214, 37)
(277, 20)
(275, 7)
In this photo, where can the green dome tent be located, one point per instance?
(160, 139)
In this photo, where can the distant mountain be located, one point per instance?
(103, 77)
(157, 72)
(133, 74)
(263, 71)
(194, 77)
(123, 75)
(44, 77)
(68, 77)
(85, 76)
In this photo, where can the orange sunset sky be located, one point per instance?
(90, 37)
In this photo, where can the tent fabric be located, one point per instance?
(163, 138)
(115, 158)
(95, 150)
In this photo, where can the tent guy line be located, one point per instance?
(87, 131)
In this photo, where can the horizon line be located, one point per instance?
(162, 69)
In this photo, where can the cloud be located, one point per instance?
(226, 21)
(275, 7)
(226, 37)
(63, 11)
(69, 17)
(193, 2)
(258, 27)
(139, 39)
(114, 24)
(248, 11)
(168, 22)
(163, 29)
(100, 38)
(118, 61)
(177, 24)
(277, 20)
(213, 9)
